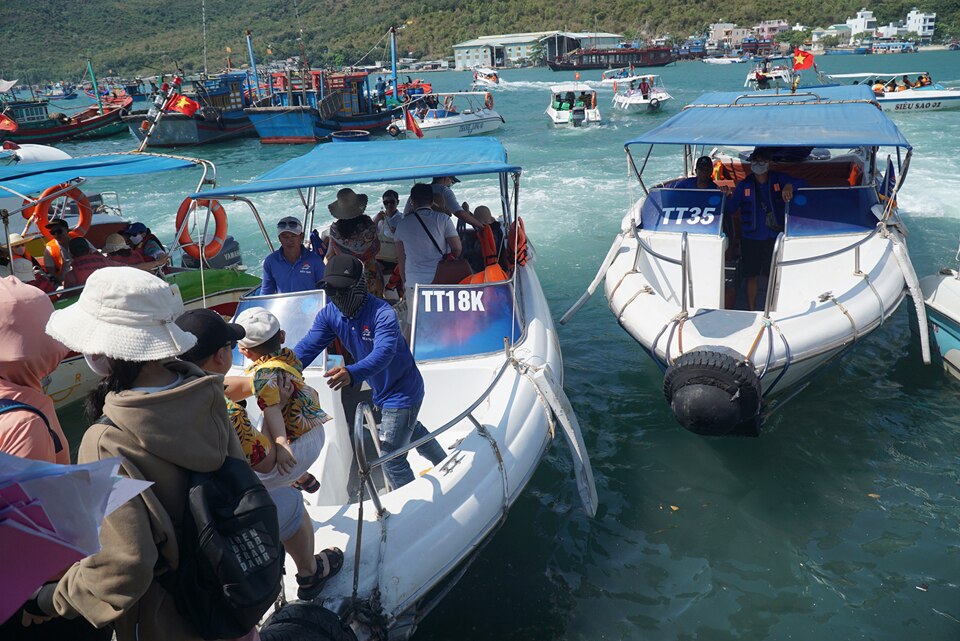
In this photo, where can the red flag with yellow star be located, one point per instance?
(181, 103)
(802, 60)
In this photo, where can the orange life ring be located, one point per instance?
(190, 248)
(41, 211)
(488, 101)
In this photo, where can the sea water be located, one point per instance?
(841, 522)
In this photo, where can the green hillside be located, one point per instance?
(51, 39)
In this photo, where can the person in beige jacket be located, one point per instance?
(168, 419)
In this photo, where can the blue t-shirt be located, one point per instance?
(280, 277)
(755, 200)
(373, 337)
(691, 183)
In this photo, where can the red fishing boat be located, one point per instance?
(35, 123)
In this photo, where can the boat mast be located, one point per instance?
(203, 18)
(393, 62)
(253, 63)
(96, 89)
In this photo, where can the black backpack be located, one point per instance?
(231, 557)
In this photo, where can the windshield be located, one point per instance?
(295, 312)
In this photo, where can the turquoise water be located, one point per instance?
(841, 522)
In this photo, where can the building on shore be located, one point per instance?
(921, 24)
(770, 28)
(515, 49)
(864, 22)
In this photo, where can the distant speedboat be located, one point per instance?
(643, 95)
(451, 115)
(612, 77)
(725, 60)
(573, 104)
(485, 77)
(896, 98)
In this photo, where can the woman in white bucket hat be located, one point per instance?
(168, 419)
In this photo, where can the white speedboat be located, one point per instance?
(486, 77)
(574, 104)
(492, 370)
(725, 60)
(765, 76)
(896, 98)
(643, 95)
(612, 77)
(941, 297)
(839, 264)
(448, 115)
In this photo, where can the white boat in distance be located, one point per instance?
(725, 60)
(611, 77)
(574, 104)
(763, 76)
(839, 264)
(449, 115)
(643, 95)
(492, 371)
(486, 77)
(932, 97)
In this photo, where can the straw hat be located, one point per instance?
(114, 243)
(348, 204)
(124, 313)
(16, 240)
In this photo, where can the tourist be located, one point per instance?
(354, 233)
(140, 237)
(423, 238)
(387, 220)
(167, 421)
(117, 250)
(84, 263)
(15, 260)
(213, 353)
(645, 87)
(441, 185)
(907, 84)
(292, 268)
(56, 254)
(757, 206)
(368, 327)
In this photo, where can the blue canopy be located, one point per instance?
(843, 117)
(379, 161)
(29, 178)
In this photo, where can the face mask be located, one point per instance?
(136, 239)
(758, 167)
(349, 301)
(98, 363)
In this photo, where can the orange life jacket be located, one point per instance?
(55, 253)
(492, 272)
(516, 249)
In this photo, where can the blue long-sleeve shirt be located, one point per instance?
(373, 337)
(280, 277)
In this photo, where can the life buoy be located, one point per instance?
(190, 248)
(393, 130)
(41, 210)
(488, 100)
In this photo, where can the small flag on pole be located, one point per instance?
(182, 104)
(802, 60)
(8, 124)
(412, 124)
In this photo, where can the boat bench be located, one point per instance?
(835, 173)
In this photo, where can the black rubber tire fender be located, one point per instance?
(303, 621)
(703, 367)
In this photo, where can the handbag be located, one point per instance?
(450, 270)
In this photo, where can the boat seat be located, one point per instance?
(832, 173)
(706, 256)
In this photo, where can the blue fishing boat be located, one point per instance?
(220, 117)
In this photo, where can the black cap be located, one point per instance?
(342, 271)
(57, 222)
(211, 330)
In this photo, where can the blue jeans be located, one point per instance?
(398, 427)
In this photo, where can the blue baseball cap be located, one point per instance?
(134, 228)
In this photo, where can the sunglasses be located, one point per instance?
(290, 225)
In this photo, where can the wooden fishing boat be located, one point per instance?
(35, 123)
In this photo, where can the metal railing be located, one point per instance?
(683, 262)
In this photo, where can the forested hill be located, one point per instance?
(51, 39)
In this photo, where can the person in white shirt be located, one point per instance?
(423, 238)
(441, 185)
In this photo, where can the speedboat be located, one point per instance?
(485, 77)
(448, 115)
(36, 189)
(931, 97)
(725, 60)
(763, 76)
(612, 77)
(941, 297)
(492, 371)
(839, 265)
(573, 103)
(646, 94)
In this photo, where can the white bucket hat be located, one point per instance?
(123, 313)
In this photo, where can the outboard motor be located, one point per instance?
(230, 255)
(577, 116)
(714, 394)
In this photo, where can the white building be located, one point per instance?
(728, 32)
(863, 23)
(892, 30)
(509, 49)
(799, 27)
(922, 24)
(770, 28)
(840, 31)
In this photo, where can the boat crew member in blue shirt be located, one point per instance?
(758, 203)
(369, 328)
(292, 268)
(703, 178)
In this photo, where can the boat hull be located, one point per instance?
(639, 104)
(175, 130)
(461, 125)
(920, 100)
(87, 125)
(941, 294)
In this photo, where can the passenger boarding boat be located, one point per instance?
(492, 370)
(485, 77)
(632, 98)
(932, 97)
(573, 103)
(35, 188)
(839, 267)
(466, 113)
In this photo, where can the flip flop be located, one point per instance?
(329, 563)
(311, 485)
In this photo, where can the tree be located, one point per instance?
(829, 41)
(793, 39)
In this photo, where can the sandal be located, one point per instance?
(311, 485)
(329, 563)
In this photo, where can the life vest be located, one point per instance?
(492, 272)
(515, 252)
(56, 253)
(749, 220)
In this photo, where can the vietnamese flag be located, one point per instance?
(802, 60)
(8, 124)
(412, 125)
(181, 103)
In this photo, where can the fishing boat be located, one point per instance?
(574, 104)
(221, 116)
(36, 125)
(492, 371)
(36, 187)
(610, 57)
(839, 265)
(641, 96)
(59, 91)
(449, 115)
(612, 77)
(485, 77)
(896, 98)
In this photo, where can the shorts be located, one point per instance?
(290, 510)
(306, 450)
(755, 257)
